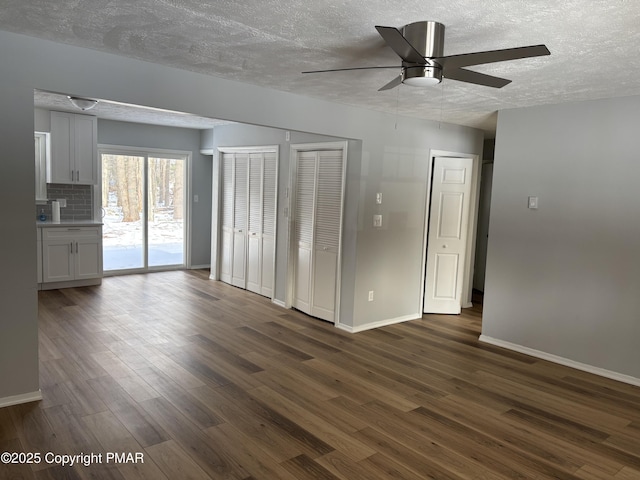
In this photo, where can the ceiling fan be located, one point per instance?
(420, 45)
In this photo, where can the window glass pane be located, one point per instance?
(166, 211)
(122, 211)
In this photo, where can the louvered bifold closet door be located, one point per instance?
(327, 233)
(227, 217)
(240, 216)
(269, 202)
(304, 221)
(254, 236)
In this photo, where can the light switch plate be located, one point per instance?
(533, 203)
(377, 220)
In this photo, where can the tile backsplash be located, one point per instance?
(79, 201)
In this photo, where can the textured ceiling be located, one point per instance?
(593, 44)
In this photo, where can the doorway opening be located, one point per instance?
(144, 209)
(450, 229)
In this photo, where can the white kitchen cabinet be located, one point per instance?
(74, 149)
(39, 254)
(71, 254)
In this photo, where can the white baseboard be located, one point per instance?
(381, 323)
(199, 267)
(23, 398)
(561, 360)
(280, 303)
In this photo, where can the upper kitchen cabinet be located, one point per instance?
(74, 149)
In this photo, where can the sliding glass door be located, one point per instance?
(143, 210)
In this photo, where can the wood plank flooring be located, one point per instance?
(208, 381)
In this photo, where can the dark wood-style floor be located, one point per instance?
(209, 381)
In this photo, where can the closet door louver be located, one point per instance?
(269, 202)
(240, 214)
(304, 220)
(254, 235)
(269, 195)
(255, 194)
(227, 217)
(327, 233)
(329, 201)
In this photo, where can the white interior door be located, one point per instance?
(226, 247)
(327, 233)
(254, 234)
(269, 206)
(304, 222)
(448, 230)
(247, 244)
(240, 217)
(318, 217)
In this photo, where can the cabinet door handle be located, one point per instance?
(71, 245)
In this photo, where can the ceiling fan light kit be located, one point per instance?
(82, 103)
(421, 76)
(420, 46)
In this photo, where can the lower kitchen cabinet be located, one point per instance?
(71, 254)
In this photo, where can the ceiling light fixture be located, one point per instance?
(421, 76)
(82, 103)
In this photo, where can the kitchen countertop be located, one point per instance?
(68, 223)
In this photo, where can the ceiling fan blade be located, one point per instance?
(352, 68)
(491, 56)
(392, 84)
(399, 44)
(477, 78)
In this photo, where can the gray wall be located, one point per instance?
(18, 296)
(152, 136)
(394, 161)
(564, 279)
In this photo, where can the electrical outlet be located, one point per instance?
(371, 295)
(379, 198)
(196, 199)
(377, 220)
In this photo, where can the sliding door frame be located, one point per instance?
(146, 153)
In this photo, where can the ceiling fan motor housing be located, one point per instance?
(426, 37)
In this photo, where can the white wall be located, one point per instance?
(394, 161)
(564, 279)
